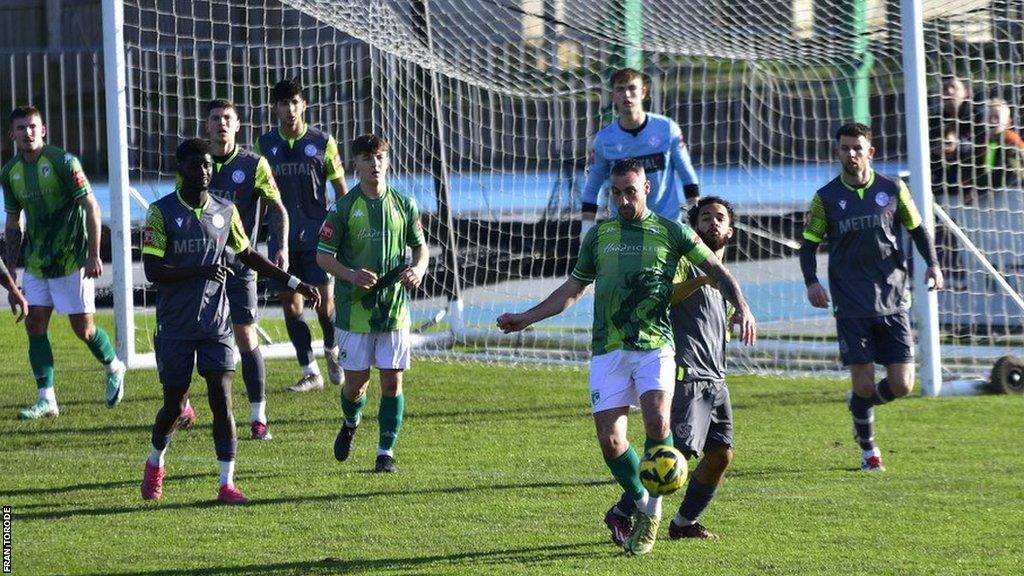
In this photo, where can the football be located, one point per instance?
(663, 470)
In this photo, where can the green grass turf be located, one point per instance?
(499, 474)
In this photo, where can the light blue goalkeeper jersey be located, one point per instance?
(660, 146)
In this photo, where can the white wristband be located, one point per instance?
(293, 282)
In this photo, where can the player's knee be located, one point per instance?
(35, 326)
(719, 458)
(612, 446)
(901, 388)
(245, 337)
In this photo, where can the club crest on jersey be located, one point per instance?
(310, 150)
(238, 176)
(358, 213)
(273, 151)
(654, 141)
(842, 204)
(45, 170)
(218, 221)
(327, 231)
(180, 221)
(882, 199)
(16, 176)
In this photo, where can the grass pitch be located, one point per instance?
(499, 474)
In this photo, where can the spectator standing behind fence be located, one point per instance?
(998, 153)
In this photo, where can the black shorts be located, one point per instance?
(241, 292)
(701, 416)
(303, 266)
(883, 340)
(175, 359)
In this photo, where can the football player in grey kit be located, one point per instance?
(859, 212)
(187, 236)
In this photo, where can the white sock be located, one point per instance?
(385, 453)
(683, 522)
(258, 412)
(331, 351)
(156, 456)
(49, 394)
(650, 505)
(311, 370)
(114, 366)
(227, 473)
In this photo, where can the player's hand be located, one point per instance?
(746, 326)
(93, 267)
(311, 293)
(411, 278)
(216, 272)
(817, 295)
(19, 306)
(363, 278)
(510, 322)
(933, 278)
(281, 260)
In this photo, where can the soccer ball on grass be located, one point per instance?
(663, 470)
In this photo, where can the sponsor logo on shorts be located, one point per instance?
(595, 396)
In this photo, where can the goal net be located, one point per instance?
(490, 105)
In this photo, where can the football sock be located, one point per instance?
(302, 340)
(327, 327)
(258, 412)
(101, 347)
(227, 472)
(698, 496)
(311, 369)
(392, 409)
(48, 394)
(863, 421)
(156, 455)
(626, 470)
(652, 442)
(649, 504)
(883, 392)
(254, 373)
(114, 365)
(353, 409)
(40, 357)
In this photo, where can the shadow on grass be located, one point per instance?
(298, 500)
(89, 486)
(534, 555)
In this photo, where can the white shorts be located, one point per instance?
(361, 351)
(71, 294)
(620, 377)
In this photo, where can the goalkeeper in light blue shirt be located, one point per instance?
(653, 139)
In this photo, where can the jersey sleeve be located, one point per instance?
(817, 222)
(256, 147)
(414, 228)
(685, 282)
(597, 174)
(237, 242)
(679, 157)
(331, 233)
(691, 247)
(906, 209)
(266, 186)
(154, 235)
(74, 177)
(333, 167)
(586, 265)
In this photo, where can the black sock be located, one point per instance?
(254, 374)
(302, 340)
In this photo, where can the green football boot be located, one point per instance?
(115, 386)
(38, 410)
(645, 533)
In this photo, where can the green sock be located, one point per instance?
(392, 409)
(101, 347)
(352, 409)
(626, 470)
(652, 442)
(40, 357)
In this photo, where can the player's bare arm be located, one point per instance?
(730, 289)
(260, 264)
(412, 276)
(558, 301)
(19, 306)
(13, 233)
(340, 187)
(356, 276)
(94, 264)
(279, 216)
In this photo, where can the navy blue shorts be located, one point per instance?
(241, 292)
(883, 340)
(175, 359)
(303, 265)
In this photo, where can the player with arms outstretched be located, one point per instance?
(363, 244)
(188, 234)
(631, 260)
